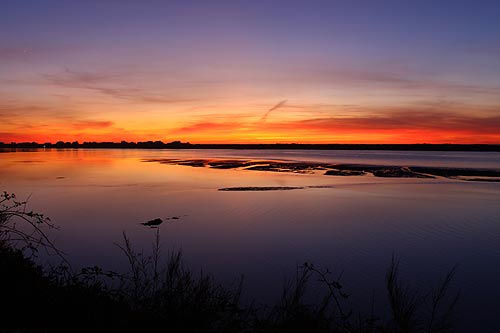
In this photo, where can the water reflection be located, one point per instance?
(351, 224)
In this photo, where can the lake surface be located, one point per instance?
(349, 224)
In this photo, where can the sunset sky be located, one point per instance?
(236, 71)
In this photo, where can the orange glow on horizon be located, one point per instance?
(238, 123)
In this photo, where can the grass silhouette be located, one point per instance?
(163, 293)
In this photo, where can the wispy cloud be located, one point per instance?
(277, 106)
(206, 126)
(26, 111)
(400, 82)
(407, 120)
(87, 124)
(114, 84)
(30, 120)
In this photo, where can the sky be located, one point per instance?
(261, 71)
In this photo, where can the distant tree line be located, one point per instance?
(93, 144)
(299, 146)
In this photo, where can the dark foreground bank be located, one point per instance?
(163, 293)
(41, 299)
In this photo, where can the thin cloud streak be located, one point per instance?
(277, 106)
(207, 126)
(86, 124)
(401, 82)
(112, 84)
(408, 120)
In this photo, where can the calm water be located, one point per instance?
(352, 227)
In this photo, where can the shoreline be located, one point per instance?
(278, 146)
